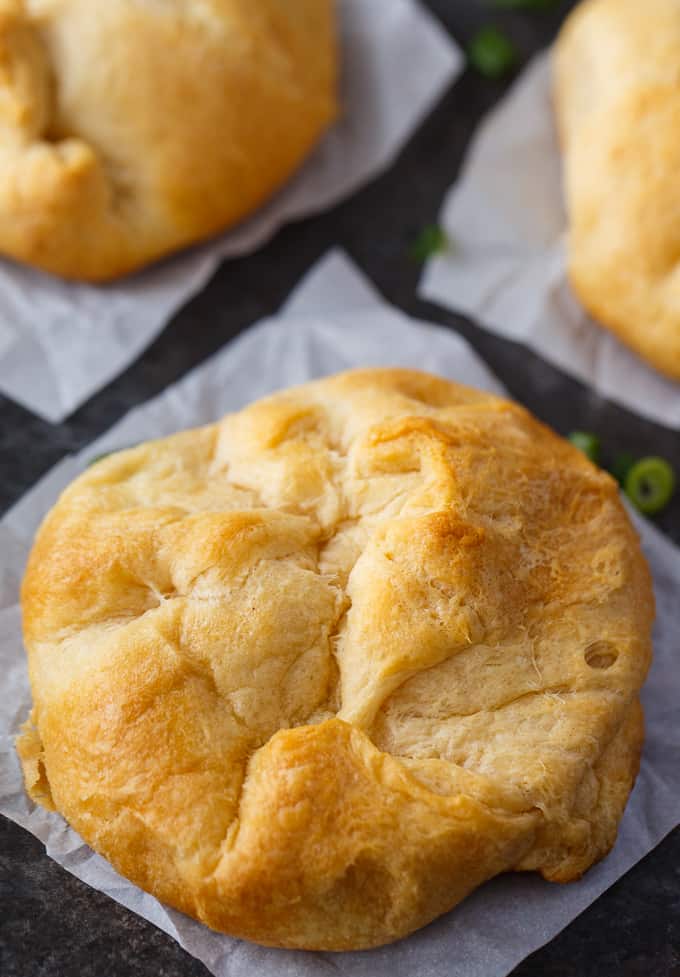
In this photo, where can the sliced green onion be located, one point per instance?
(588, 443)
(492, 53)
(650, 485)
(98, 458)
(432, 240)
(621, 466)
(108, 454)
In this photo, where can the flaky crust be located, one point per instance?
(617, 94)
(315, 672)
(130, 129)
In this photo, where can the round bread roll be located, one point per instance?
(617, 94)
(132, 128)
(315, 672)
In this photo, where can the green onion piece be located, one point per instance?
(98, 458)
(108, 454)
(622, 465)
(492, 53)
(650, 485)
(432, 240)
(589, 444)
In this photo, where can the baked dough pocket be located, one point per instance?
(313, 673)
(132, 128)
(617, 98)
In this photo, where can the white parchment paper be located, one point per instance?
(335, 320)
(507, 265)
(60, 342)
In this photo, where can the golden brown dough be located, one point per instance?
(617, 88)
(132, 128)
(315, 672)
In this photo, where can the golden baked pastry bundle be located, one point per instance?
(313, 673)
(130, 129)
(617, 95)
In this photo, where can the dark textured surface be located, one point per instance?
(51, 925)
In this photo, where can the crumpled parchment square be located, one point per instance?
(333, 321)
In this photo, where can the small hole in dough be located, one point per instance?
(602, 654)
